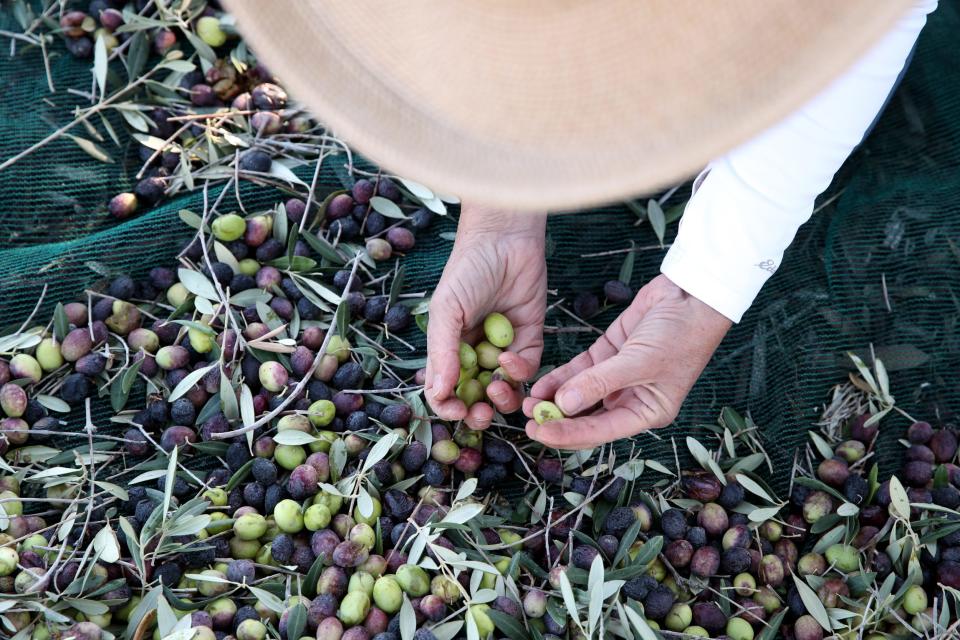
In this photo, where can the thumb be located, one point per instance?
(592, 385)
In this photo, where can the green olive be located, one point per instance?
(545, 411)
(498, 330)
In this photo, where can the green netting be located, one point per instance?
(879, 265)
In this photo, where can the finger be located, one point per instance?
(452, 408)
(547, 386)
(519, 367)
(443, 342)
(594, 430)
(479, 416)
(504, 397)
(590, 386)
(523, 358)
(528, 405)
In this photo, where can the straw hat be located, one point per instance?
(556, 103)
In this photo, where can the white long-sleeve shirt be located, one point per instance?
(749, 204)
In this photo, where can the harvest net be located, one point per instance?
(878, 264)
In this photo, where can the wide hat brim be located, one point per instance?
(556, 104)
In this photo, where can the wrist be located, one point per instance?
(481, 220)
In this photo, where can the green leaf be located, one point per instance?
(822, 447)
(773, 626)
(326, 250)
(753, 487)
(197, 283)
(626, 270)
(215, 448)
(408, 619)
(297, 621)
(657, 220)
(91, 148)
(168, 482)
(295, 263)
(130, 376)
(228, 397)
(342, 319)
(192, 220)
(640, 624)
(148, 604)
(387, 208)
(313, 575)
(899, 501)
(179, 66)
(187, 383)
(396, 286)
(510, 626)
(137, 54)
(240, 475)
(269, 600)
(53, 403)
(205, 52)
(812, 602)
(626, 541)
(61, 325)
(248, 414)
(566, 590)
(100, 63)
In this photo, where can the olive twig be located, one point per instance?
(295, 392)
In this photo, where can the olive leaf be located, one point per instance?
(100, 63)
(509, 625)
(626, 270)
(188, 382)
(899, 501)
(297, 621)
(269, 600)
(657, 219)
(753, 487)
(387, 208)
(53, 403)
(168, 482)
(197, 283)
(408, 619)
(812, 602)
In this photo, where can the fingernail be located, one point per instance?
(570, 402)
(437, 382)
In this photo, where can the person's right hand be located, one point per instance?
(497, 265)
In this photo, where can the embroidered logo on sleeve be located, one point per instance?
(767, 265)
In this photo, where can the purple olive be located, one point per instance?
(713, 518)
(177, 436)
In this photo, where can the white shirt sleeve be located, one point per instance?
(748, 207)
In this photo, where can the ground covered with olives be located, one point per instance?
(284, 479)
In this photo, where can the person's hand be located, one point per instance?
(497, 264)
(640, 370)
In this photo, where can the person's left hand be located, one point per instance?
(641, 370)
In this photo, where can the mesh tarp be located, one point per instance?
(880, 264)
